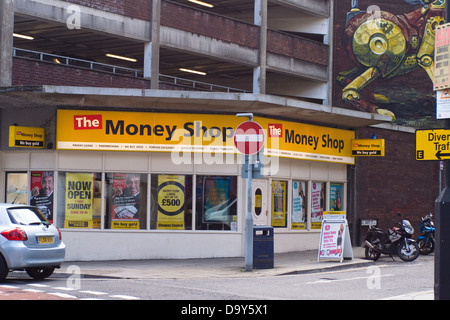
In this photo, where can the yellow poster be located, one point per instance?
(279, 203)
(171, 200)
(79, 200)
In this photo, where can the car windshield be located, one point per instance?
(26, 216)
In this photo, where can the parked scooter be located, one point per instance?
(396, 240)
(426, 240)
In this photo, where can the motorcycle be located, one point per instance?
(426, 240)
(396, 240)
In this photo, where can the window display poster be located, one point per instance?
(216, 199)
(16, 188)
(126, 189)
(79, 200)
(298, 205)
(279, 203)
(317, 204)
(336, 197)
(171, 200)
(41, 192)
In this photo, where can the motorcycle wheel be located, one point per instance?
(425, 248)
(371, 254)
(408, 253)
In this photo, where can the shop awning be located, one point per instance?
(186, 101)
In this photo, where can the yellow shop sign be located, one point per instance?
(199, 133)
(368, 147)
(26, 137)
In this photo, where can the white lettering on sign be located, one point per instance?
(250, 138)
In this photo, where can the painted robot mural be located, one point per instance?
(384, 56)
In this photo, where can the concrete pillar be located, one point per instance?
(151, 52)
(6, 41)
(259, 72)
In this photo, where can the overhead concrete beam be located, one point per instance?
(315, 7)
(296, 67)
(214, 48)
(93, 19)
(187, 101)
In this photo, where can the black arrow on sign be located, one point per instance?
(439, 154)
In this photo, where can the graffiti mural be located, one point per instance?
(384, 57)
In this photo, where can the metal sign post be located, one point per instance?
(245, 143)
(442, 211)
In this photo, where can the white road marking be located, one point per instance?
(39, 285)
(63, 295)
(95, 293)
(125, 297)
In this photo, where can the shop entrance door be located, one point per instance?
(259, 202)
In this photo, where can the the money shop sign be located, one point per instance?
(166, 132)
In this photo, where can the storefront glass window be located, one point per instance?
(171, 202)
(16, 187)
(279, 203)
(318, 194)
(79, 200)
(216, 203)
(299, 205)
(336, 197)
(126, 201)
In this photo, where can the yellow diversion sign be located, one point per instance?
(167, 132)
(433, 144)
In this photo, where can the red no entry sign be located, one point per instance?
(249, 137)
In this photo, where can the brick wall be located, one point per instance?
(297, 47)
(140, 9)
(29, 72)
(391, 184)
(218, 27)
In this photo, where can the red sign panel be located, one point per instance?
(87, 122)
(249, 137)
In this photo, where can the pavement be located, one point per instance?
(284, 264)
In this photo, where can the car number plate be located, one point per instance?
(42, 240)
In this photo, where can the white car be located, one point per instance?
(28, 242)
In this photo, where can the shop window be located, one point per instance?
(279, 203)
(216, 203)
(41, 192)
(299, 205)
(318, 194)
(336, 203)
(16, 187)
(79, 200)
(171, 202)
(126, 201)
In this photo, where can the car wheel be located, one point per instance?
(40, 273)
(3, 269)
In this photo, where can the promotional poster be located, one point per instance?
(125, 205)
(299, 213)
(171, 202)
(41, 190)
(79, 199)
